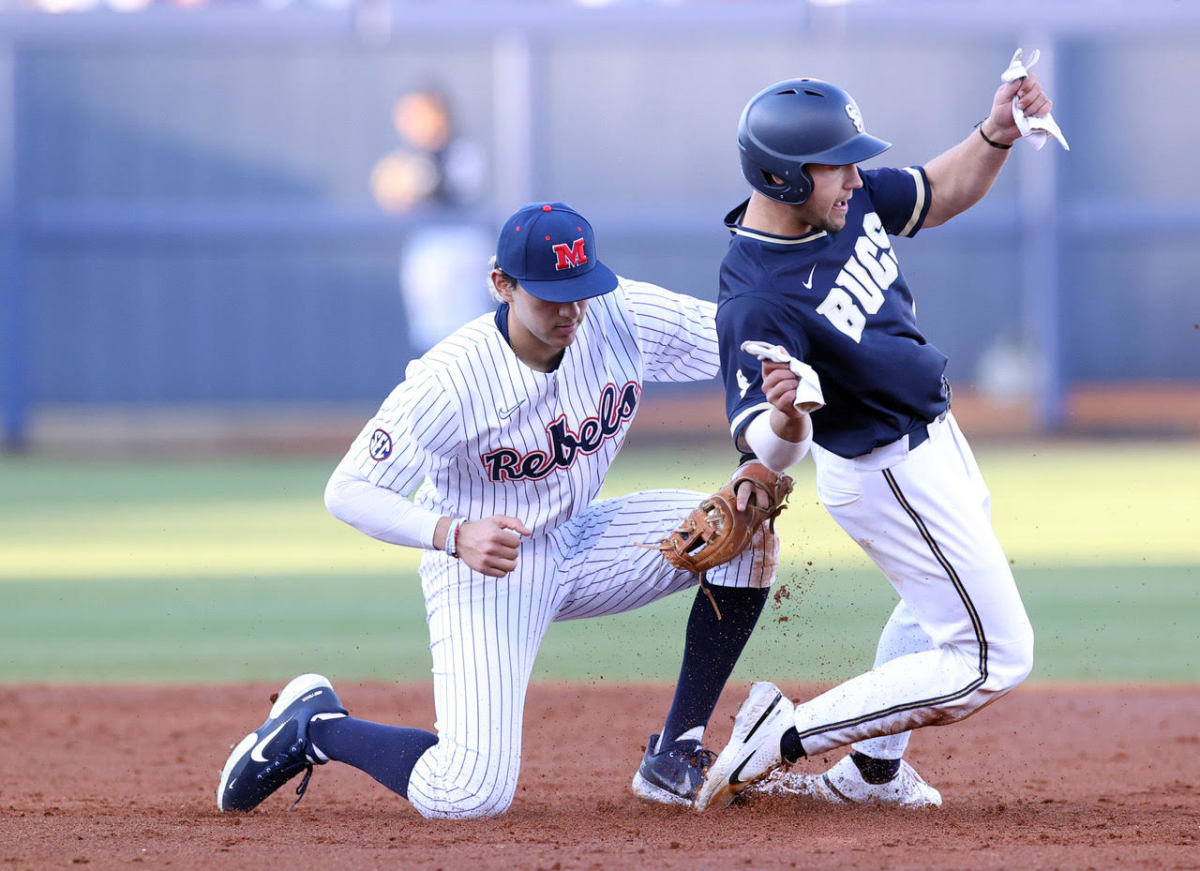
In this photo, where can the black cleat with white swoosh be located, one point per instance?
(672, 774)
(279, 749)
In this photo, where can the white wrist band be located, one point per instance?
(451, 544)
(776, 453)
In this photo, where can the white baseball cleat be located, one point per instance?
(843, 784)
(753, 749)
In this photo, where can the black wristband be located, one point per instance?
(979, 127)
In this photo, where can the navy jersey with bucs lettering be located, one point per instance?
(839, 302)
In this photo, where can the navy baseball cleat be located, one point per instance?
(279, 749)
(672, 774)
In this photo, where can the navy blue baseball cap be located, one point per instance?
(551, 250)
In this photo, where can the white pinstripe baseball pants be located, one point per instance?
(485, 632)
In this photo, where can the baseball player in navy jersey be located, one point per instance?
(812, 275)
(502, 435)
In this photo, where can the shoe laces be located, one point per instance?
(303, 785)
(287, 763)
(697, 757)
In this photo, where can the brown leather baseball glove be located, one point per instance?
(715, 531)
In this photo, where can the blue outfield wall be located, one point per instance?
(187, 212)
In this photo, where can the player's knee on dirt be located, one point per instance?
(465, 802)
(466, 786)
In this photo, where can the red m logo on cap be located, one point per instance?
(570, 255)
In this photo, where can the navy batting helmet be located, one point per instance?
(799, 121)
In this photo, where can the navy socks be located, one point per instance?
(790, 746)
(387, 753)
(875, 770)
(711, 649)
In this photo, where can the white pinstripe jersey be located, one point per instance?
(477, 432)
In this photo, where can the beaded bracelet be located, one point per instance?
(990, 142)
(451, 546)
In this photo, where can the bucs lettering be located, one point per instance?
(858, 289)
(506, 464)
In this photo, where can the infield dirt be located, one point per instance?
(1050, 777)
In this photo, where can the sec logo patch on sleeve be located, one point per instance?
(381, 445)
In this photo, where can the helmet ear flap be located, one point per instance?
(802, 187)
(795, 191)
(769, 180)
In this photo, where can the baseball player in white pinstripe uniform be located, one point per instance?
(502, 434)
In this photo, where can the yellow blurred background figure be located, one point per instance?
(411, 175)
(435, 169)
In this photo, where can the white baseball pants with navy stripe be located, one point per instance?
(485, 632)
(960, 637)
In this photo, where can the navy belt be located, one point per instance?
(920, 436)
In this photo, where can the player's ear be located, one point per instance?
(502, 285)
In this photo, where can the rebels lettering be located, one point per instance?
(506, 464)
(570, 255)
(858, 289)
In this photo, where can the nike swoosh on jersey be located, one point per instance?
(808, 284)
(509, 412)
(256, 753)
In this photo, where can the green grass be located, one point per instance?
(231, 569)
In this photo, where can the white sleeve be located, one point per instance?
(776, 453)
(390, 458)
(678, 333)
(377, 511)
